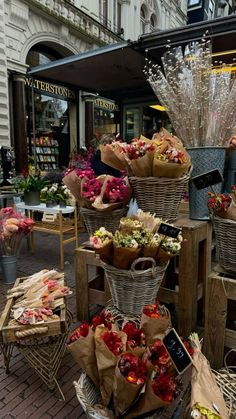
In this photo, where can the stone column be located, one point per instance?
(19, 122)
(89, 122)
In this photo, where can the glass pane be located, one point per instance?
(132, 123)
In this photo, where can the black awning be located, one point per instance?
(112, 71)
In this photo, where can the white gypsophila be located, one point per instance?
(64, 187)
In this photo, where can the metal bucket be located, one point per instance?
(8, 266)
(204, 159)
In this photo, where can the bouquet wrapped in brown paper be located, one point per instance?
(73, 179)
(136, 341)
(139, 156)
(109, 346)
(169, 248)
(173, 162)
(222, 205)
(130, 376)
(155, 321)
(82, 347)
(130, 224)
(126, 250)
(160, 391)
(112, 155)
(102, 241)
(149, 221)
(206, 398)
(114, 194)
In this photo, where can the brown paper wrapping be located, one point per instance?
(154, 328)
(230, 214)
(169, 169)
(124, 256)
(73, 183)
(106, 363)
(106, 252)
(163, 256)
(99, 205)
(205, 391)
(147, 402)
(124, 393)
(137, 351)
(150, 251)
(109, 155)
(83, 352)
(142, 167)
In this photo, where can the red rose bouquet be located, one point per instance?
(82, 347)
(157, 357)
(109, 347)
(103, 318)
(155, 321)
(136, 341)
(130, 376)
(222, 205)
(13, 227)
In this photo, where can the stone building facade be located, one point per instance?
(52, 29)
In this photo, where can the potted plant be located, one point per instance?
(31, 183)
(55, 194)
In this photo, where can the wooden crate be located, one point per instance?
(52, 327)
(220, 288)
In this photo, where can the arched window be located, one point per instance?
(153, 22)
(143, 19)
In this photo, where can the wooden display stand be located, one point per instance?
(220, 287)
(194, 268)
(95, 291)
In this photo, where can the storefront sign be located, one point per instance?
(50, 88)
(106, 104)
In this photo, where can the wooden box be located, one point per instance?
(48, 328)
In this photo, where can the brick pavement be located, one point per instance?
(22, 393)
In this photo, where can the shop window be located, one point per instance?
(192, 3)
(105, 121)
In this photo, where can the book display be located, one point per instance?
(47, 152)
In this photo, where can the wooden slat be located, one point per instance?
(230, 338)
(97, 297)
(167, 296)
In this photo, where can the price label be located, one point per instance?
(207, 179)
(169, 230)
(177, 351)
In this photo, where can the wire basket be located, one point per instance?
(131, 290)
(94, 219)
(225, 231)
(161, 196)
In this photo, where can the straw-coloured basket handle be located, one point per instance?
(136, 261)
(31, 332)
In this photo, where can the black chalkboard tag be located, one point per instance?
(207, 179)
(169, 230)
(177, 351)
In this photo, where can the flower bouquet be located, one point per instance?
(55, 193)
(82, 347)
(130, 377)
(136, 340)
(13, 227)
(171, 162)
(126, 250)
(103, 245)
(109, 346)
(222, 205)
(169, 247)
(155, 320)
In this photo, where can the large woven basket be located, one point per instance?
(94, 219)
(89, 396)
(131, 289)
(161, 196)
(225, 231)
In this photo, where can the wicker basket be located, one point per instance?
(95, 219)
(161, 196)
(89, 397)
(225, 231)
(130, 289)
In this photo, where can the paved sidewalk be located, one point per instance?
(22, 393)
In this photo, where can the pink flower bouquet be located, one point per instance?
(13, 227)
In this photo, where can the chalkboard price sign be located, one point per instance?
(169, 230)
(207, 179)
(177, 351)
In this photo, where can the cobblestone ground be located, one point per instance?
(22, 393)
